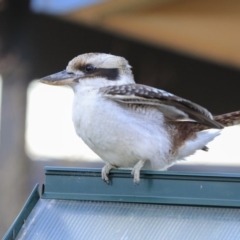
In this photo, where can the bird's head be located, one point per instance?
(93, 70)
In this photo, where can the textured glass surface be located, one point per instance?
(64, 219)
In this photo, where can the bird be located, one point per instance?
(129, 125)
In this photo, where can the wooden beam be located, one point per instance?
(207, 29)
(13, 161)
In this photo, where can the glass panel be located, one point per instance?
(109, 220)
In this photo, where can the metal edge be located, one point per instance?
(86, 184)
(50, 170)
(23, 215)
(148, 200)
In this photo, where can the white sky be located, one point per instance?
(49, 129)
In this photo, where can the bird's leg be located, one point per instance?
(105, 171)
(136, 171)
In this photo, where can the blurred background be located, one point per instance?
(190, 48)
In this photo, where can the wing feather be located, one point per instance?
(173, 107)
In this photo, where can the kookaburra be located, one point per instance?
(129, 124)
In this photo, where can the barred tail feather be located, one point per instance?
(228, 119)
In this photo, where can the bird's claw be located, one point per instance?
(136, 176)
(136, 171)
(105, 172)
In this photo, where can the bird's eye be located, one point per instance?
(89, 68)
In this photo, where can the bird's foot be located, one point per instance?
(105, 172)
(136, 171)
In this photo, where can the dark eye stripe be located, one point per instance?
(111, 74)
(108, 73)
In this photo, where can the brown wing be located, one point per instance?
(173, 107)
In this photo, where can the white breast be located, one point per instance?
(120, 135)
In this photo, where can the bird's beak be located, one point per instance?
(60, 78)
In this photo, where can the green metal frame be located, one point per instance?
(23, 215)
(202, 189)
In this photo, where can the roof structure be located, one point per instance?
(207, 29)
(77, 204)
